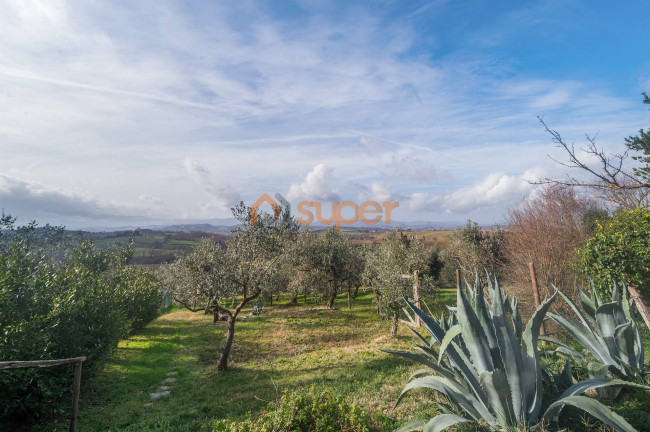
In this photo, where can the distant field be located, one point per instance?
(430, 237)
(152, 248)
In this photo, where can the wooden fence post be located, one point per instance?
(77, 361)
(75, 395)
(533, 277)
(417, 296)
(457, 277)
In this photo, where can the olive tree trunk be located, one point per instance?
(225, 353)
(230, 336)
(393, 330)
(330, 302)
(349, 298)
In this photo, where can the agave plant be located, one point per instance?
(258, 308)
(608, 331)
(488, 367)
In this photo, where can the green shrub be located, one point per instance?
(307, 411)
(619, 251)
(79, 303)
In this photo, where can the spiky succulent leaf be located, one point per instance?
(442, 422)
(625, 341)
(510, 351)
(474, 335)
(607, 322)
(455, 356)
(593, 408)
(452, 389)
(497, 389)
(412, 426)
(451, 334)
(583, 335)
(531, 376)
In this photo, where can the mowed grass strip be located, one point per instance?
(288, 347)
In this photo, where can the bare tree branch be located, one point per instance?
(611, 174)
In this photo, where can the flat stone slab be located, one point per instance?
(164, 388)
(172, 373)
(150, 404)
(160, 394)
(169, 380)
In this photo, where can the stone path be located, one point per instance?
(164, 389)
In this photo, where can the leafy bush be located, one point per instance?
(307, 411)
(619, 251)
(488, 368)
(80, 302)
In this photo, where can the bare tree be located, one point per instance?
(624, 198)
(546, 230)
(610, 172)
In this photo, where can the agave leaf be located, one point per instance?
(598, 370)
(593, 408)
(426, 342)
(573, 307)
(596, 384)
(587, 305)
(624, 338)
(474, 335)
(423, 360)
(616, 294)
(638, 347)
(430, 353)
(531, 377)
(569, 352)
(497, 389)
(455, 356)
(451, 334)
(606, 320)
(583, 335)
(413, 425)
(565, 379)
(421, 372)
(510, 350)
(513, 310)
(487, 325)
(442, 422)
(454, 391)
(595, 295)
(565, 349)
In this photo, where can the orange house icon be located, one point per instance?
(265, 198)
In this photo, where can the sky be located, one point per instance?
(135, 113)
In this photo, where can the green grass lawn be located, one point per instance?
(285, 348)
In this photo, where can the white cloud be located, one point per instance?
(115, 105)
(316, 186)
(224, 195)
(495, 190)
(29, 200)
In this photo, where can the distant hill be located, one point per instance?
(153, 247)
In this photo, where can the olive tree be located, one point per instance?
(245, 268)
(251, 261)
(197, 281)
(328, 262)
(473, 249)
(389, 268)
